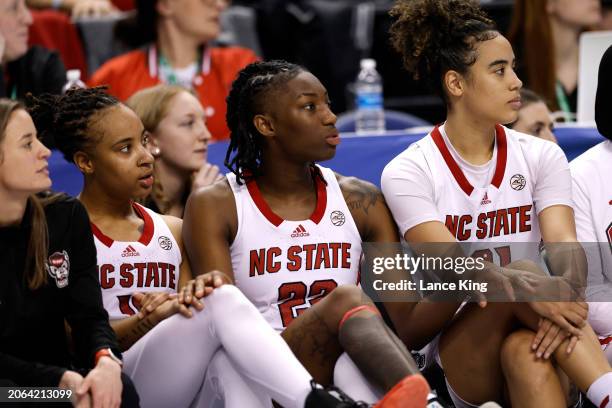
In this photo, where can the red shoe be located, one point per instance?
(411, 392)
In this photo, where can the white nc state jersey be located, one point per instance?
(592, 193)
(150, 264)
(284, 267)
(499, 209)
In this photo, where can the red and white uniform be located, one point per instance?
(592, 193)
(169, 376)
(284, 267)
(151, 264)
(488, 205)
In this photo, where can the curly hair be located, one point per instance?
(435, 36)
(245, 100)
(67, 118)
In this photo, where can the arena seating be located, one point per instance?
(359, 156)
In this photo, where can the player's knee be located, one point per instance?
(342, 300)
(228, 294)
(519, 362)
(347, 297)
(226, 300)
(516, 345)
(229, 299)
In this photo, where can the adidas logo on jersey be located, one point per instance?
(485, 200)
(300, 231)
(129, 251)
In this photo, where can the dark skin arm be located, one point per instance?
(209, 228)
(416, 321)
(210, 225)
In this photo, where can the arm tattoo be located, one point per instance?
(363, 198)
(142, 328)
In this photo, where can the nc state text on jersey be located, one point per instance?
(505, 221)
(139, 274)
(300, 257)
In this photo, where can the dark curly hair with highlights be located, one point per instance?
(67, 118)
(246, 99)
(435, 36)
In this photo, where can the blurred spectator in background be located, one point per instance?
(534, 118)
(76, 8)
(606, 14)
(24, 70)
(544, 35)
(178, 52)
(178, 139)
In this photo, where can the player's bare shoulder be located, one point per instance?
(361, 196)
(217, 200)
(175, 225)
(219, 192)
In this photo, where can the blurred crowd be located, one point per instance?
(201, 45)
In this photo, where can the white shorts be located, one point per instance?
(433, 355)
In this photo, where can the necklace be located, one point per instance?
(183, 77)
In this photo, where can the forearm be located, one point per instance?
(568, 260)
(132, 329)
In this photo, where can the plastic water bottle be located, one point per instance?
(369, 99)
(73, 80)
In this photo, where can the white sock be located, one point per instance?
(600, 390)
(349, 379)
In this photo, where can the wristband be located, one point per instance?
(107, 352)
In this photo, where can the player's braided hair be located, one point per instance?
(435, 36)
(67, 118)
(245, 100)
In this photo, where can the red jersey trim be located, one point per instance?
(502, 156)
(149, 226)
(450, 162)
(147, 231)
(100, 235)
(500, 165)
(264, 208)
(319, 211)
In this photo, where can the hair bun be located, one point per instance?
(436, 35)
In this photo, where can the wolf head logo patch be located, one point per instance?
(58, 267)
